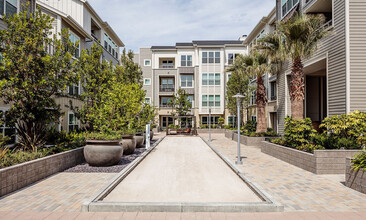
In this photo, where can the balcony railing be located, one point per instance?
(167, 66)
(164, 105)
(328, 24)
(166, 88)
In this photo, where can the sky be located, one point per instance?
(146, 23)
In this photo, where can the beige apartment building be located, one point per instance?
(198, 67)
(86, 27)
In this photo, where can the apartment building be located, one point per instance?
(335, 76)
(264, 26)
(198, 67)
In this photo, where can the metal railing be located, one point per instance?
(167, 88)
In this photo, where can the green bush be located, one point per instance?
(18, 157)
(228, 126)
(101, 136)
(250, 126)
(298, 132)
(359, 161)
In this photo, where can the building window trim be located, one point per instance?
(148, 98)
(211, 101)
(185, 83)
(149, 80)
(147, 60)
(186, 61)
(75, 125)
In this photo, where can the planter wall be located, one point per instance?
(249, 141)
(355, 179)
(213, 131)
(229, 133)
(321, 162)
(20, 175)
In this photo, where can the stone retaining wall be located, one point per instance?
(20, 175)
(213, 131)
(249, 141)
(229, 133)
(321, 162)
(355, 179)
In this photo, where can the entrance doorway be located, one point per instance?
(166, 121)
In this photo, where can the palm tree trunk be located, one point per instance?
(261, 102)
(297, 91)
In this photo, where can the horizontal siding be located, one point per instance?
(357, 26)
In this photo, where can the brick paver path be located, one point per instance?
(295, 188)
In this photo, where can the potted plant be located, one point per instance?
(102, 149)
(140, 139)
(128, 141)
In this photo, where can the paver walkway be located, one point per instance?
(295, 188)
(182, 169)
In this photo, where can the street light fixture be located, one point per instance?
(238, 97)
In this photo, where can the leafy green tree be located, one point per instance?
(146, 115)
(97, 77)
(129, 72)
(35, 69)
(299, 36)
(180, 103)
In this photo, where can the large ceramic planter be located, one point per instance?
(151, 134)
(140, 138)
(103, 152)
(129, 144)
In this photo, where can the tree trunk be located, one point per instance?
(297, 90)
(261, 102)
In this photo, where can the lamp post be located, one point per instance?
(209, 124)
(238, 97)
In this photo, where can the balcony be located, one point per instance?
(166, 63)
(167, 88)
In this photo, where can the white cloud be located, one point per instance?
(143, 23)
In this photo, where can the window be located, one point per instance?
(73, 123)
(273, 91)
(165, 101)
(228, 76)
(253, 98)
(254, 118)
(8, 7)
(204, 79)
(147, 100)
(7, 131)
(204, 57)
(217, 79)
(147, 82)
(205, 119)
(213, 57)
(147, 62)
(74, 90)
(186, 81)
(110, 46)
(167, 64)
(204, 101)
(76, 43)
(231, 57)
(212, 79)
(212, 101)
(217, 100)
(288, 5)
(231, 120)
(186, 60)
(190, 99)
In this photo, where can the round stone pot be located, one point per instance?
(103, 152)
(140, 139)
(151, 134)
(129, 144)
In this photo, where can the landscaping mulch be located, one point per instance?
(126, 159)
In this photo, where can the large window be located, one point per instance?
(74, 90)
(211, 100)
(232, 120)
(8, 7)
(231, 57)
(73, 123)
(167, 85)
(186, 81)
(167, 64)
(6, 130)
(287, 5)
(165, 101)
(186, 60)
(212, 79)
(211, 57)
(214, 120)
(76, 43)
(110, 46)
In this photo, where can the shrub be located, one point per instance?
(101, 136)
(221, 121)
(18, 157)
(348, 129)
(310, 147)
(250, 126)
(298, 132)
(227, 126)
(359, 161)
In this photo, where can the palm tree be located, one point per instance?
(298, 39)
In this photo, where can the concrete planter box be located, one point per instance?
(355, 179)
(229, 133)
(249, 141)
(321, 162)
(21, 175)
(213, 130)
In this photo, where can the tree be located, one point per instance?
(181, 103)
(35, 69)
(239, 82)
(97, 78)
(129, 72)
(299, 36)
